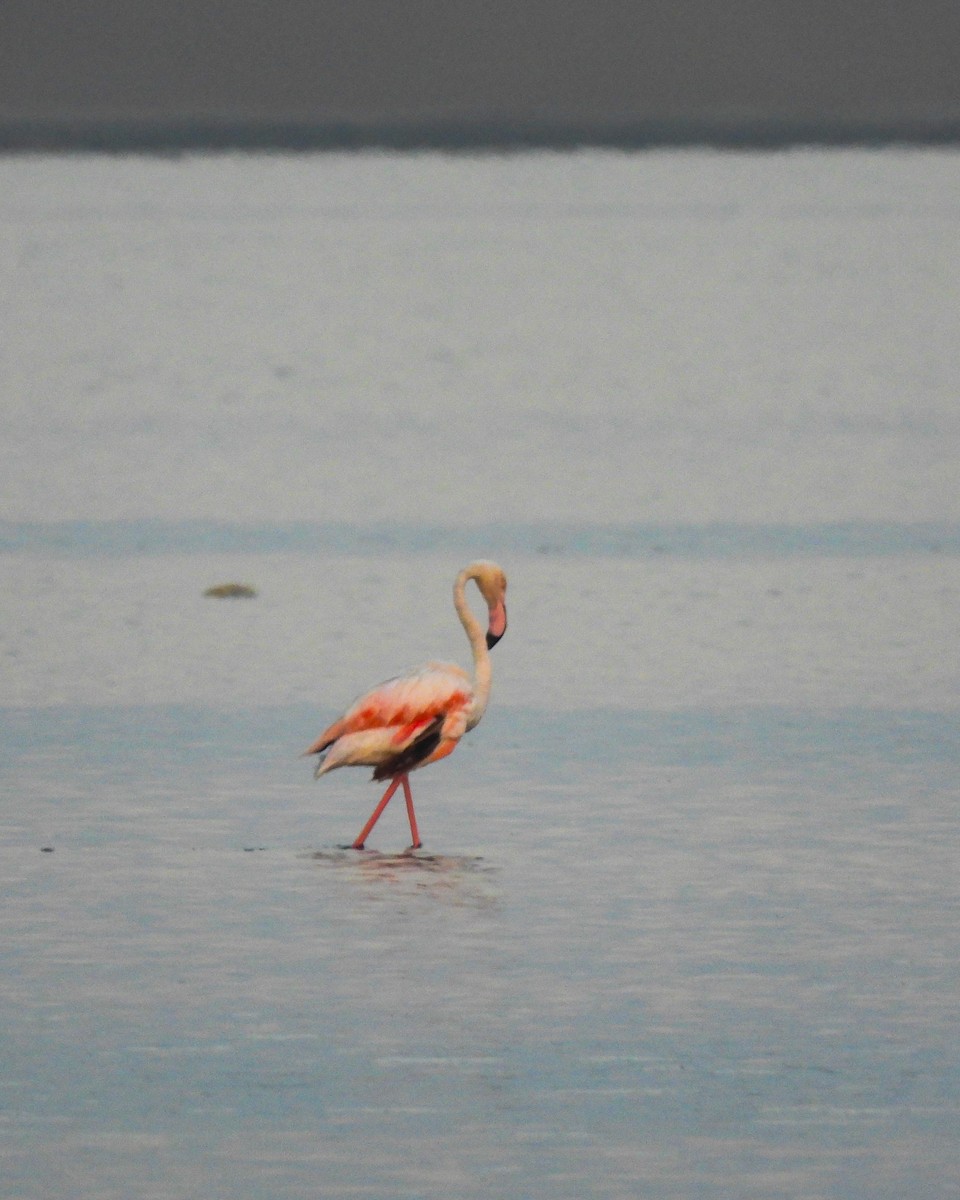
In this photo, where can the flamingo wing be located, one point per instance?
(400, 724)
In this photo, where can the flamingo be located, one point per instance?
(418, 718)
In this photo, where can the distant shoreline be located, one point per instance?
(184, 135)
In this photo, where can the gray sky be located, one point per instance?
(585, 63)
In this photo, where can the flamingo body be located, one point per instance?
(417, 718)
(383, 724)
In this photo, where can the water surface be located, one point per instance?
(685, 920)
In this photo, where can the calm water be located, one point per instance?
(685, 924)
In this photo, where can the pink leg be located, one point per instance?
(411, 815)
(384, 801)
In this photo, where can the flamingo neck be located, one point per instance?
(478, 646)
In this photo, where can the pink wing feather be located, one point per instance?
(406, 705)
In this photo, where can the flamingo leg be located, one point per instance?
(411, 815)
(375, 816)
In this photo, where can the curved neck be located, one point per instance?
(478, 645)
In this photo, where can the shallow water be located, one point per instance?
(685, 954)
(685, 920)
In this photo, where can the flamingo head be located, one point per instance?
(492, 583)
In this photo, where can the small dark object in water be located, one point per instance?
(231, 591)
(46, 849)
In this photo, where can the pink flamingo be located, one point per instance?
(418, 718)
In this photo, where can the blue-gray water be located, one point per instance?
(685, 921)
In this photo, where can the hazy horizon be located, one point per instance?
(460, 72)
